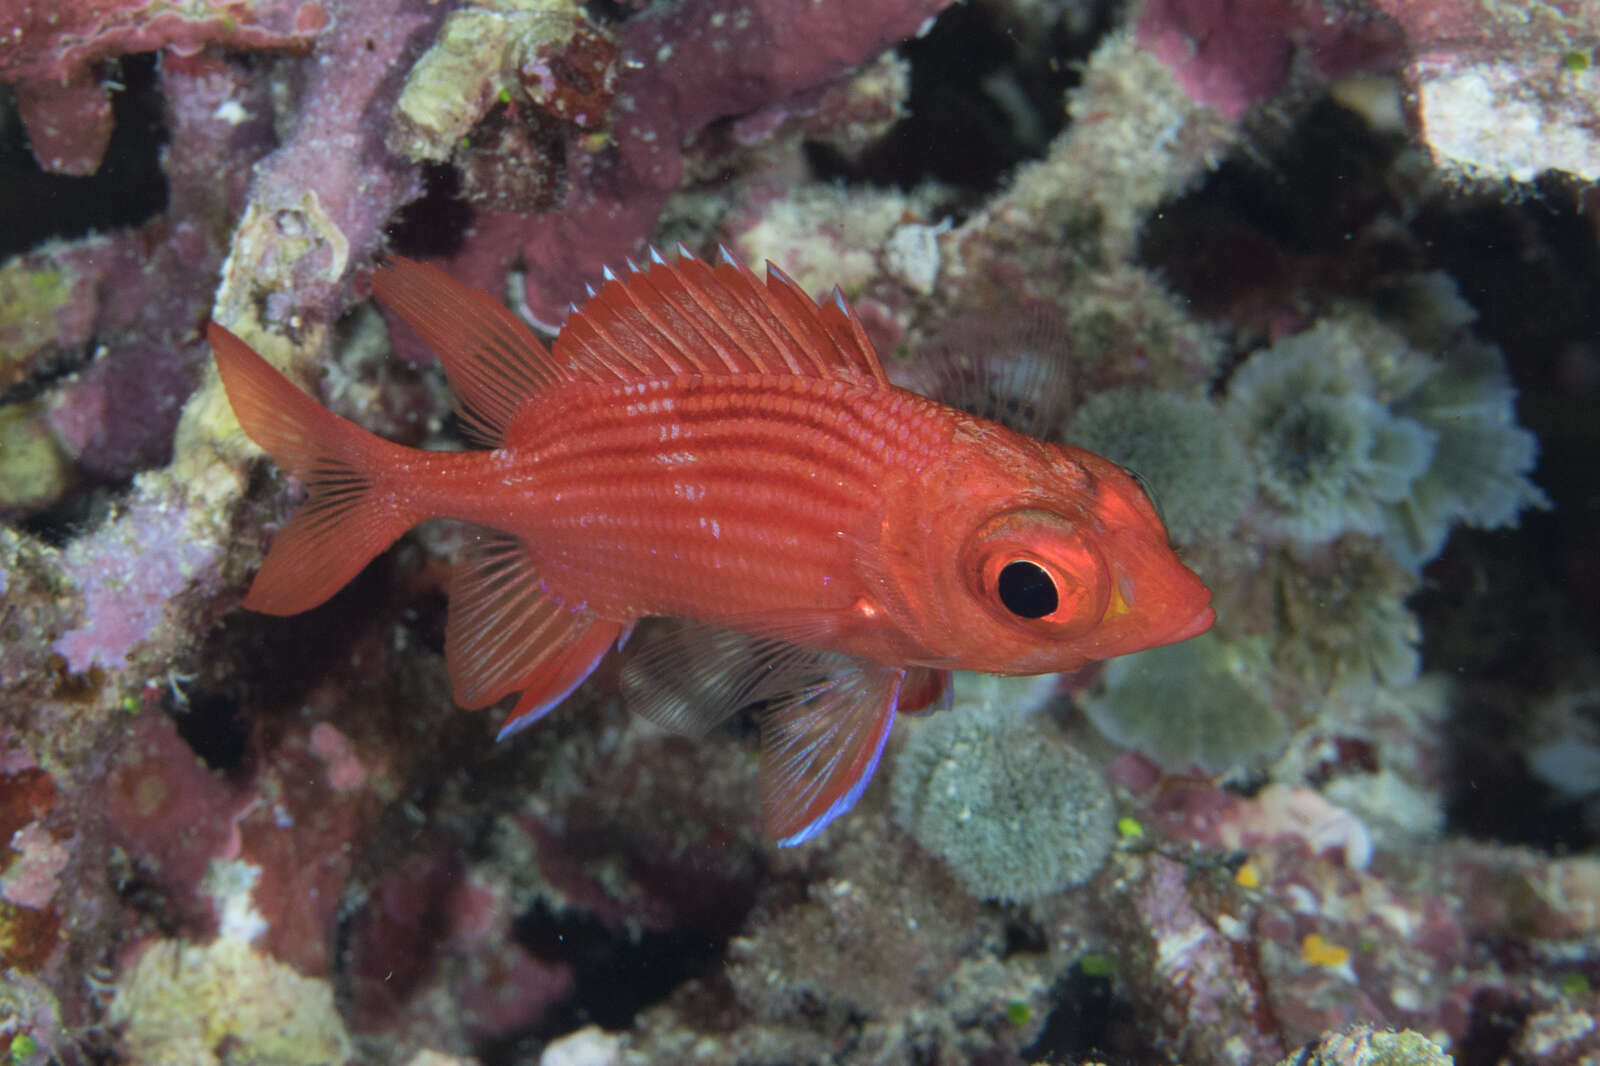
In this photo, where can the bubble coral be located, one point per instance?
(1195, 467)
(1202, 703)
(1330, 456)
(1014, 812)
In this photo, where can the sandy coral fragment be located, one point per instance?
(1366, 1046)
(911, 256)
(47, 309)
(589, 1046)
(225, 1003)
(35, 471)
(482, 53)
(1135, 139)
(1492, 119)
(824, 236)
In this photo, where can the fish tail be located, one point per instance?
(353, 511)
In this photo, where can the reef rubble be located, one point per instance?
(1324, 274)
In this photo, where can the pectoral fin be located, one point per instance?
(689, 677)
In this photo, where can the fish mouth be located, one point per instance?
(1193, 628)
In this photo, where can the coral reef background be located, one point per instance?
(1325, 274)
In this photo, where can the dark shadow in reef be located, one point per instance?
(1080, 1026)
(617, 975)
(129, 188)
(983, 99)
(435, 224)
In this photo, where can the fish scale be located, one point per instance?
(747, 486)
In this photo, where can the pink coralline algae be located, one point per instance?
(127, 575)
(344, 769)
(300, 832)
(685, 66)
(52, 53)
(319, 200)
(173, 816)
(1232, 54)
(1201, 980)
(94, 417)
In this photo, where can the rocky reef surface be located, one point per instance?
(1325, 274)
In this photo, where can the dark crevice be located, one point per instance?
(1078, 1027)
(216, 728)
(1491, 794)
(1495, 1021)
(317, 642)
(128, 189)
(1293, 220)
(610, 12)
(984, 97)
(1024, 936)
(435, 224)
(617, 975)
(75, 513)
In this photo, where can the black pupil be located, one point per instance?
(1027, 591)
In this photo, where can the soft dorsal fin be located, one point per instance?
(690, 317)
(1014, 367)
(493, 361)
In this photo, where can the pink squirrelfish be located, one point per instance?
(703, 445)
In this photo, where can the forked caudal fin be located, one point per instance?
(352, 513)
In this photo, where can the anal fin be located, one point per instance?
(826, 715)
(506, 633)
(558, 673)
(819, 751)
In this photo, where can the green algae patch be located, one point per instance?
(30, 301)
(34, 470)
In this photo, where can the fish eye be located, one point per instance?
(1027, 590)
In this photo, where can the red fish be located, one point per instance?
(703, 445)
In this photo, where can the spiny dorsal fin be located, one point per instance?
(690, 317)
(493, 361)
